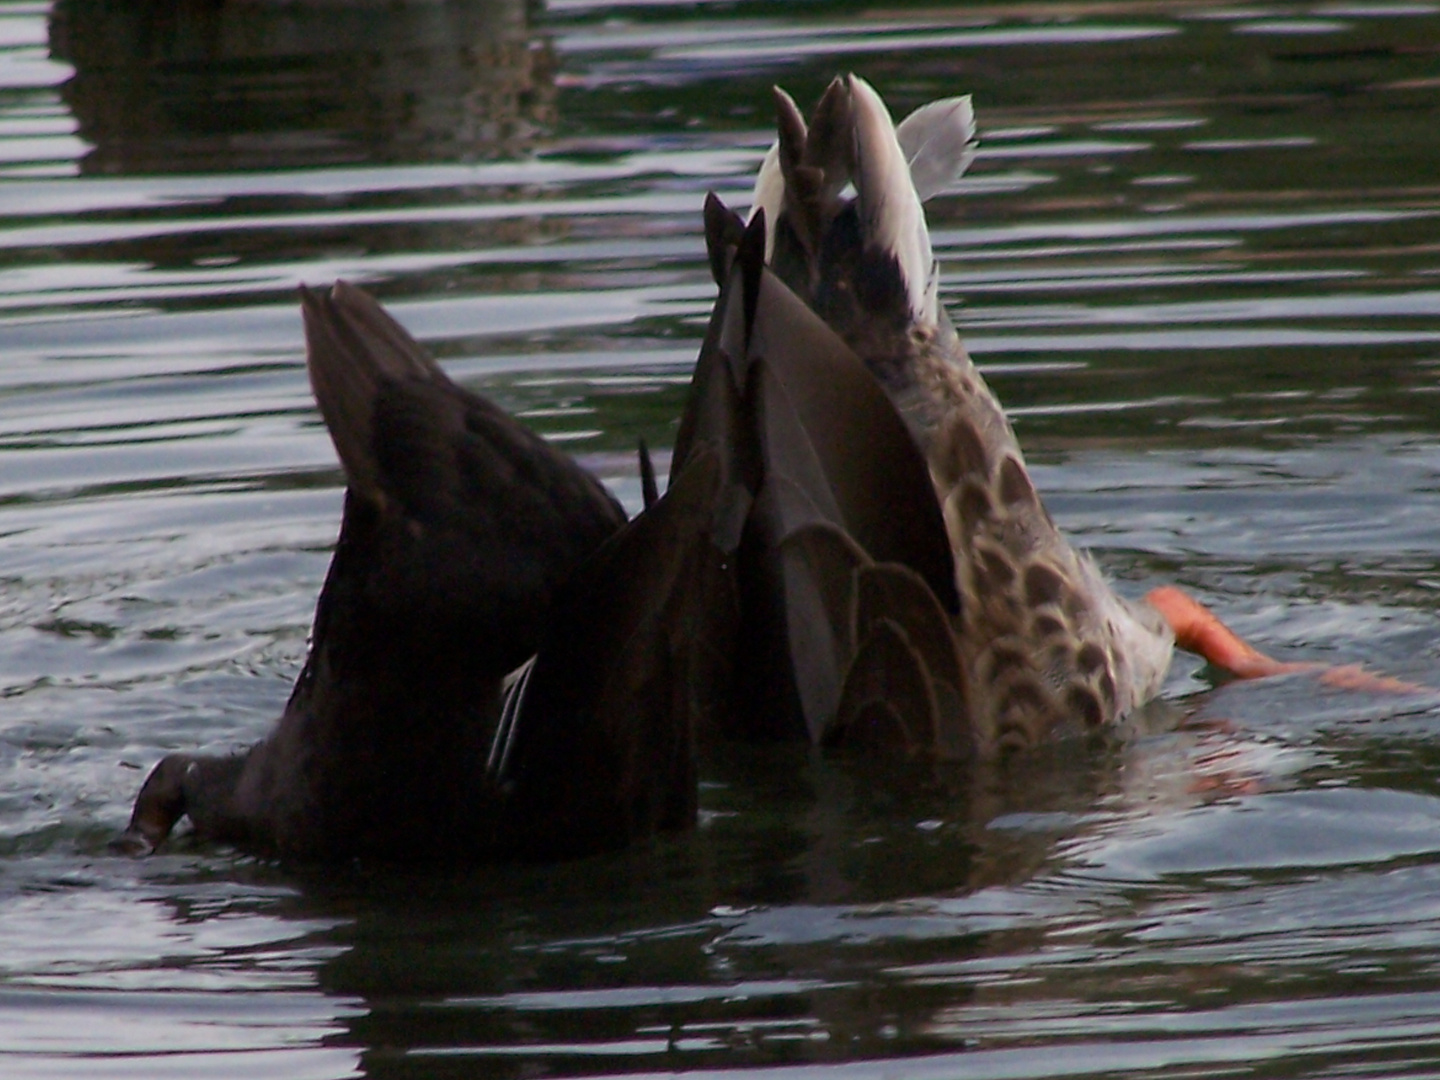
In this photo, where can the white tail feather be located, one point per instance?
(769, 195)
(890, 212)
(938, 141)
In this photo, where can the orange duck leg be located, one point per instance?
(1199, 630)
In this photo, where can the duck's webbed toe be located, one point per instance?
(182, 785)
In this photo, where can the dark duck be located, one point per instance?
(473, 558)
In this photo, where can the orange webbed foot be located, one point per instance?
(1199, 630)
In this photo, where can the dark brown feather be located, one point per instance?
(603, 745)
(888, 702)
(458, 531)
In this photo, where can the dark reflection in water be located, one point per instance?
(166, 86)
(715, 949)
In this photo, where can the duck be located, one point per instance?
(1041, 640)
(501, 666)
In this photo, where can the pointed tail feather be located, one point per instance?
(892, 220)
(351, 347)
(938, 140)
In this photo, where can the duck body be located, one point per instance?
(467, 546)
(1045, 641)
(842, 563)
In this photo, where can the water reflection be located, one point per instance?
(949, 897)
(192, 976)
(197, 85)
(825, 914)
(713, 948)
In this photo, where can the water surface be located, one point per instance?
(1199, 259)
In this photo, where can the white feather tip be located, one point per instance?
(939, 142)
(769, 195)
(891, 215)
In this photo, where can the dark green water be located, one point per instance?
(1198, 257)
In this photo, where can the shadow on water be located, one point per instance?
(715, 949)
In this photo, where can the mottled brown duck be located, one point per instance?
(1043, 640)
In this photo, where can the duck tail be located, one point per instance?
(352, 346)
(876, 241)
(938, 140)
(892, 221)
(769, 194)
